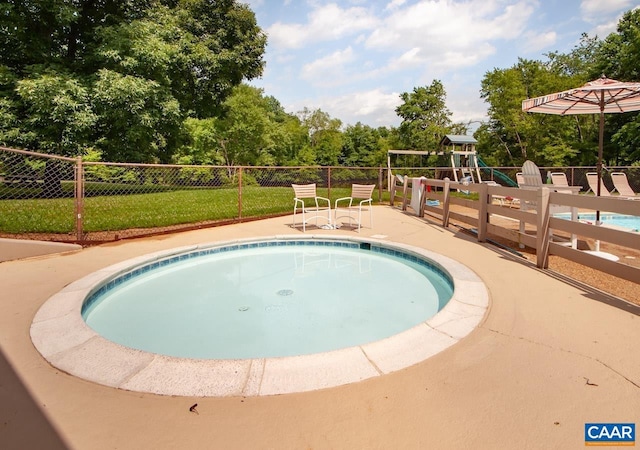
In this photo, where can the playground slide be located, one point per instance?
(499, 175)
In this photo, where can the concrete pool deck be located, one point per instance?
(549, 356)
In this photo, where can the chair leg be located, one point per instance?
(304, 222)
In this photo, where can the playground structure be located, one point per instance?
(457, 159)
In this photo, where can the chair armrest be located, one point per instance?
(324, 199)
(368, 200)
(343, 199)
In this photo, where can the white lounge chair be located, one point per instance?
(315, 211)
(559, 180)
(360, 193)
(592, 179)
(621, 184)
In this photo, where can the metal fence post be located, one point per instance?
(328, 182)
(240, 193)
(79, 198)
(380, 184)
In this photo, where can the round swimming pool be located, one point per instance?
(264, 316)
(268, 299)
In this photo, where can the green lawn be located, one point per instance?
(158, 209)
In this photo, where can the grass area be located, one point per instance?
(91, 189)
(158, 209)
(37, 216)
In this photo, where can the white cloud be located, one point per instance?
(370, 107)
(408, 58)
(330, 70)
(254, 4)
(594, 9)
(374, 107)
(605, 15)
(604, 29)
(387, 46)
(465, 104)
(448, 35)
(394, 4)
(535, 42)
(328, 22)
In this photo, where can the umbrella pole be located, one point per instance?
(600, 147)
(599, 165)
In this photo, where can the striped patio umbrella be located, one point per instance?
(601, 96)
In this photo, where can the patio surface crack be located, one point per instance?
(566, 351)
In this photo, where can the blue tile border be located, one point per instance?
(91, 299)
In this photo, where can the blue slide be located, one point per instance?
(497, 174)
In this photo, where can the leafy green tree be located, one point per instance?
(425, 117)
(325, 137)
(287, 134)
(139, 120)
(513, 136)
(254, 130)
(197, 51)
(361, 144)
(243, 131)
(619, 58)
(200, 143)
(58, 106)
(288, 137)
(504, 90)
(141, 67)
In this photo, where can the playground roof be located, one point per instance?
(457, 139)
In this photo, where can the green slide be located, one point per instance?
(497, 174)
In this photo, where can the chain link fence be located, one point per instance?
(65, 199)
(50, 197)
(38, 194)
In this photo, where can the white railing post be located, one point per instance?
(542, 225)
(404, 192)
(446, 202)
(483, 216)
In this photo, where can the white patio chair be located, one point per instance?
(309, 212)
(360, 193)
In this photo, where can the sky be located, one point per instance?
(353, 58)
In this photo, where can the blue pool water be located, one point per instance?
(268, 299)
(620, 220)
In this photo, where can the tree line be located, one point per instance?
(165, 81)
(511, 136)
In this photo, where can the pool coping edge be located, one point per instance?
(62, 337)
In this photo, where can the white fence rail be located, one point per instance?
(537, 227)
